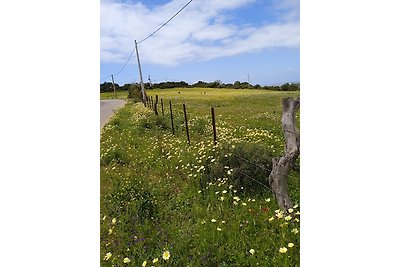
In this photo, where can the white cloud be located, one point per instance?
(200, 32)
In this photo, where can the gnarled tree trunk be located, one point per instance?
(281, 166)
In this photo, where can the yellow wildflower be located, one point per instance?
(290, 245)
(288, 218)
(144, 263)
(290, 210)
(283, 250)
(271, 219)
(166, 255)
(107, 256)
(127, 260)
(219, 229)
(213, 220)
(252, 251)
(114, 220)
(155, 260)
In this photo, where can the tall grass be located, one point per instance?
(206, 204)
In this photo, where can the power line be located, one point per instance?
(123, 67)
(102, 79)
(133, 50)
(166, 22)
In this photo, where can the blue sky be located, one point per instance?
(209, 40)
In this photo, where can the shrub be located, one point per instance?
(134, 92)
(249, 166)
(154, 122)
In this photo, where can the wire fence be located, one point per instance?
(153, 105)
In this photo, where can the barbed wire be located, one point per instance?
(269, 189)
(262, 167)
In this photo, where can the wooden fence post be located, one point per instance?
(155, 106)
(186, 123)
(172, 117)
(213, 125)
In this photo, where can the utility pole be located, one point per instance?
(115, 93)
(144, 98)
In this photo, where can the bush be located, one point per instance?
(249, 166)
(134, 92)
(155, 122)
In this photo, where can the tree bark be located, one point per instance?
(281, 166)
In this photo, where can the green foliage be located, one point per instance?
(154, 122)
(290, 87)
(134, 92)
(135, 87)
(160, 194)
(108, 87)
(250, 165)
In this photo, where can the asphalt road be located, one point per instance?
(107, 108)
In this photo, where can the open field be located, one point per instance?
(111, 95)
(206, 204)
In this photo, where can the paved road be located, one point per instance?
(107, 108)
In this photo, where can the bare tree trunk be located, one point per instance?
(281, 166)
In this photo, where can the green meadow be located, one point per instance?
(165, 202)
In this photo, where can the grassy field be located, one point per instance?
(165, 202)
(111, 95)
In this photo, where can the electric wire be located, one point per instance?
(133, 50)
(165, 22)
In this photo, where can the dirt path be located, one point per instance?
(107, 108)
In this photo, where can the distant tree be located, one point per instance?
(200, 84)
(237, 85)
(245, 85)
(290, 87)
(106, 87)
(125, 87)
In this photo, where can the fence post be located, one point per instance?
(172, 117)
(213, 125)
(186, 123)
(162, 107)
(155, 106)
(152, 103)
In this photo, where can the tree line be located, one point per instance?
(108, 86)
